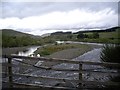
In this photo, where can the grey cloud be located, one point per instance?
(26, 9)
(38, 17)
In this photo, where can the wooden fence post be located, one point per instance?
(10, 71)
(80, 75)
(6, 68)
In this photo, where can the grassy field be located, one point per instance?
(104, 37)
(108, 35)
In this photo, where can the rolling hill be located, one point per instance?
(12, 38)
(11, 32)
(113, 29)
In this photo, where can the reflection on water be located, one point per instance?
(29, 52)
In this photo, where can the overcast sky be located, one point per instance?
(46, 17)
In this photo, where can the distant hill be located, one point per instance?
(45, 35)
(105, 30)
(11, 32)
(61, 33)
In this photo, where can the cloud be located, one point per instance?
(26, 9)
(77, 18)
(60, 0)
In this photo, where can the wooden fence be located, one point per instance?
(81, 82)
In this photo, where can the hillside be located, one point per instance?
(110, 35)
(12, 38)
(113, 29)
(11, 32)
(45, 35)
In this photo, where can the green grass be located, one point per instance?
(113, 34)
(108, 35)
(11, 32)
(47, 50)
(104, 37)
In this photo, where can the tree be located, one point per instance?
(95, 35)
(69, 36)
(86, 36)
(80, 36)
(17, 41)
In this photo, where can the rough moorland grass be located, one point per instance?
(50, 49)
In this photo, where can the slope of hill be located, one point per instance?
(12, 32)
(12, 38)
(109, 35)
(113, 29)
(46, 35)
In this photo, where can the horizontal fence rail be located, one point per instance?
(61, 60)
(80, 70)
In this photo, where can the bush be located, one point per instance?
(111, 53)
(80, 36)
(95, 35)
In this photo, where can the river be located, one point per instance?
(30, 51)
(93, 55)
(21, 51)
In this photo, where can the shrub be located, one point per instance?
(111, 53)
(80, 36)
(95, 35)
